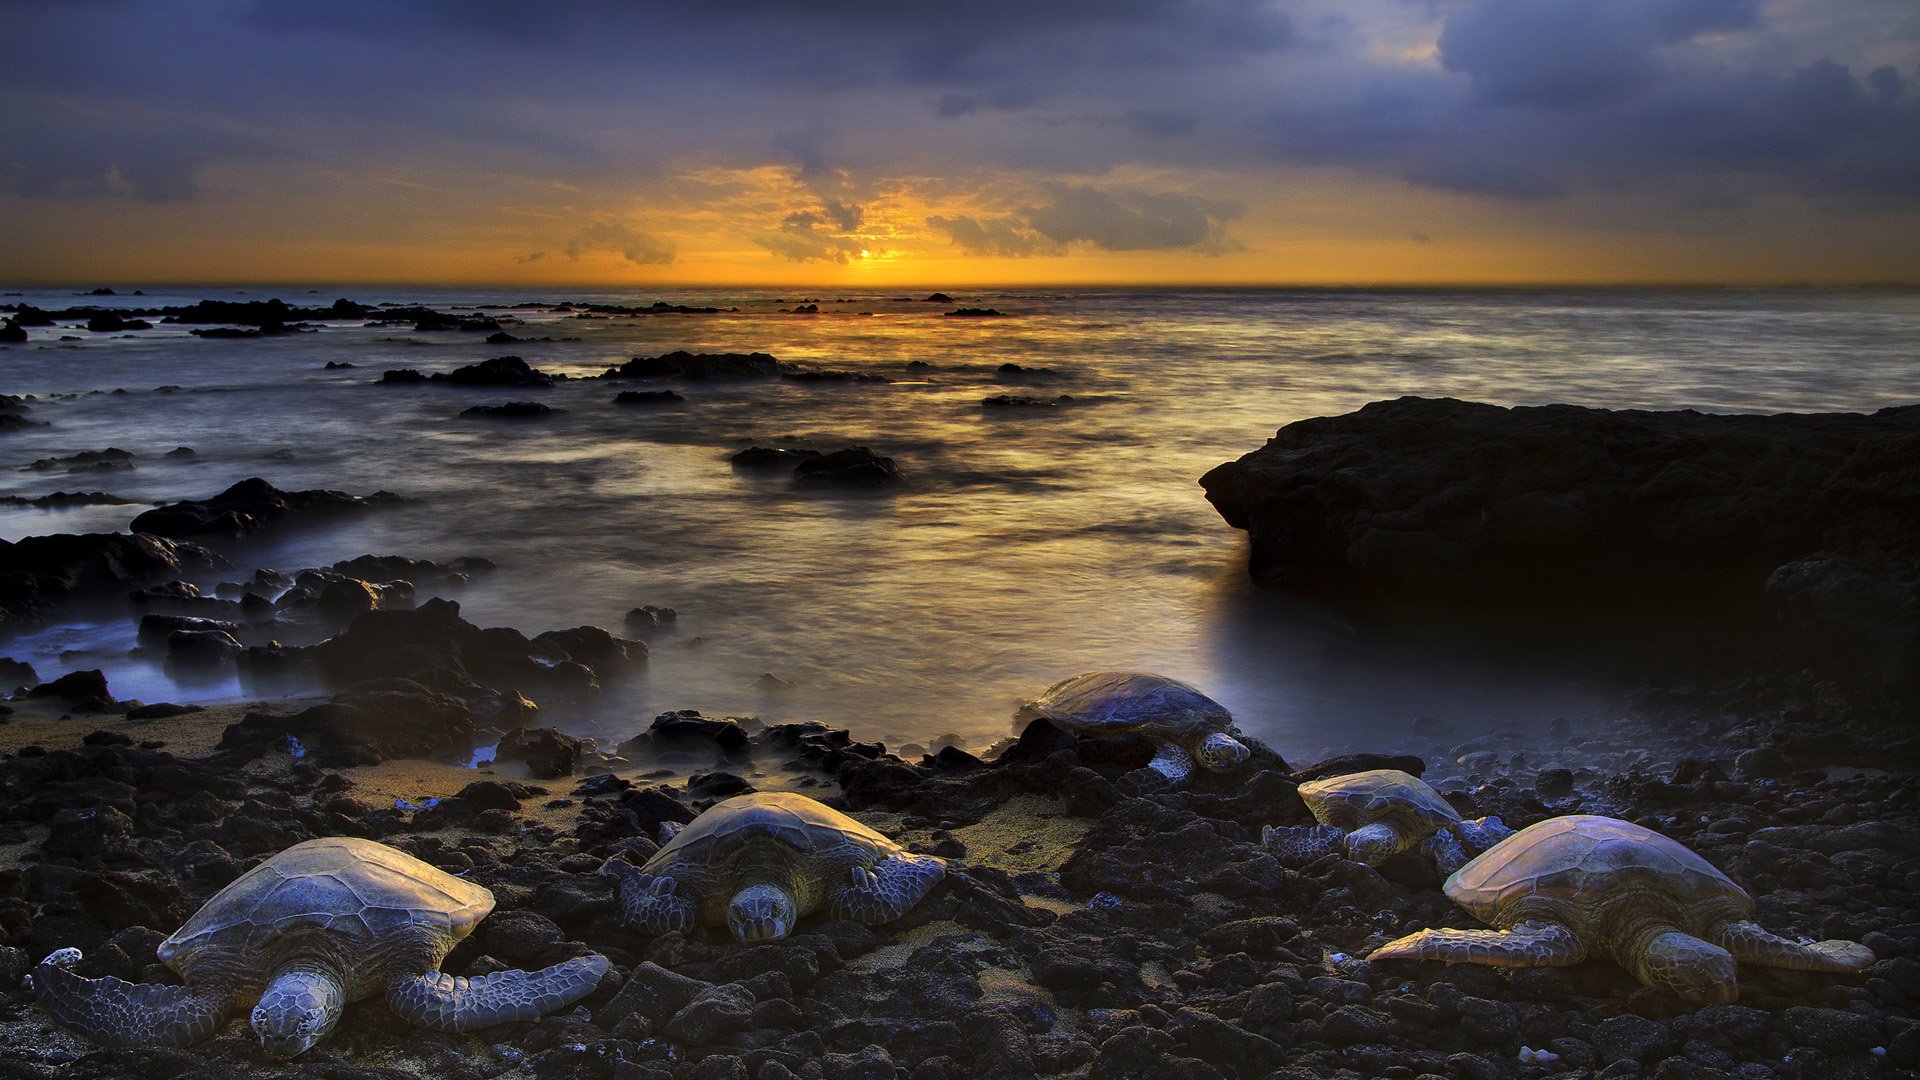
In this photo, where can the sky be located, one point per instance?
(871, 143)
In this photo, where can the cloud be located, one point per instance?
(636, 246)
(816, 235)
(533, 257)
(1565, 52)
(1119, 220)
(1006, 236)
(1134, 220)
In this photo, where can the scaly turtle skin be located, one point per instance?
(1189, 726)
(321, 924)
(1571, 887)
(758, 863)
(1375, 814)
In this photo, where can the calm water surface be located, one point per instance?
(1025, 546)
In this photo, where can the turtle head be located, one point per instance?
(1221, 751)
(299, 1008)
(1696, 970)
(1372, 844)
(761, 913)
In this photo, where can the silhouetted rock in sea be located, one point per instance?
(699, 367)
(512, 410)
(1468, 507)
(648, 397)
(976, 313)
(12, 333)
(250, 506)
(41, 574)
(771, 457)
(507, 371)
(856, 466)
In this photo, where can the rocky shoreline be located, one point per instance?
(1081, 932)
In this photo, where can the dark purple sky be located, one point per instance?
(875, 141)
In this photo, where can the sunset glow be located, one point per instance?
(857, 144)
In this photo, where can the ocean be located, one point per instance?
(1024, 546)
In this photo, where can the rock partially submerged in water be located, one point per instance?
(512, 410)
(434, 645)
(39, 575)
(252, 505)
(700, 367)
(501, 371)
(1454, 505)
(855, 466)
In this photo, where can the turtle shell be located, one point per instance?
(1581, 858)
(1362, 798)
(361, 894)
(1104, 703)
(806, 827)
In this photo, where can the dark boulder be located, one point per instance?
(771, 457)
(547, 753)
(855, 466)
(86, 691)
(512, 410)
(382, 719)
(41, 574)
(689, 727)
(202, 648)
(249, 506)
(699, 367)
(499, 371)
(648, 397)
(12, 333)
(1452, 505)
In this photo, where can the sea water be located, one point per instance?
(1024, 545)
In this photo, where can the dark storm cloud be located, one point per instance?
(1682, 102)
(1567, 95)
(1561, 52)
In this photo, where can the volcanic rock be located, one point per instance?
(249, 506)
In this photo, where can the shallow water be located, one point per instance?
(1025, 546)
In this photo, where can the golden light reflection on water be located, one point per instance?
(1025, 545)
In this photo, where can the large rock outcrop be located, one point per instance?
(249, 506)
(1464, 507)
(40, 575)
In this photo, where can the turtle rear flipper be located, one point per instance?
(1750, 944)
(887, 890)
(114, 1012)
(650, 904)
(1530, 944)
(1171, 767)
(444, 1002)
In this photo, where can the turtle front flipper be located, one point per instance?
(1479, 834)
(1170, 768)
(114, 1012)
(1261, 752)
(650, 904)
(1530, 944)
(887, 890)
(1296, 846)
(444, 1002)
(1446, 851)
(1751, 944)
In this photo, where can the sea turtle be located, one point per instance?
(1188, 725)
(1571, 887)
(1378, 813)
(321, 924)
(757, 863)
